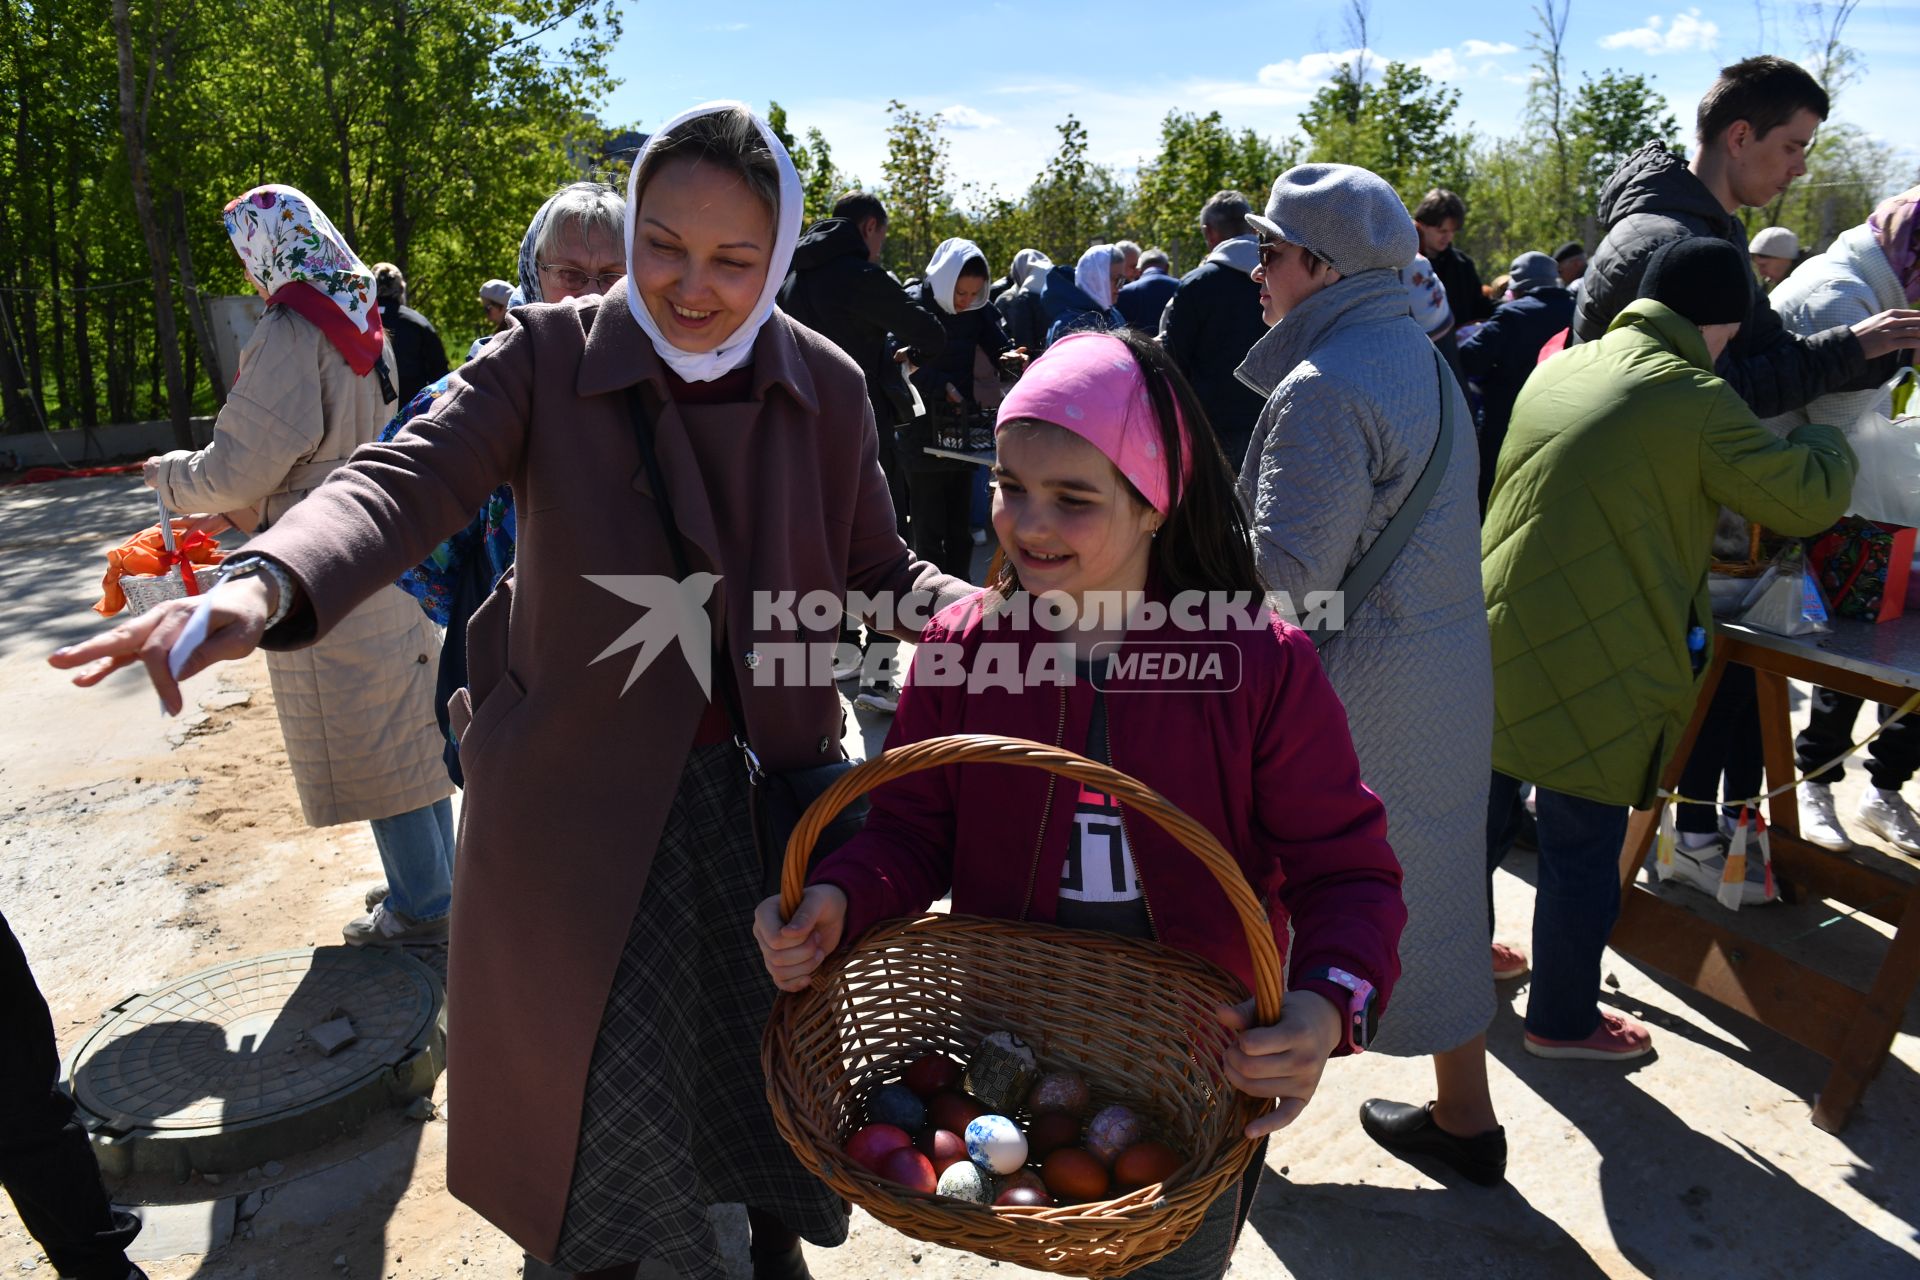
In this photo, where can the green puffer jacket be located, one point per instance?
(1597, 540)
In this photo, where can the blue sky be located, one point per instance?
(1004, 75)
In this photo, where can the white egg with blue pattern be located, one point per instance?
(996, 1144)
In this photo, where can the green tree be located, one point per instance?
(1074, 203)
(1401, 128)
(821, 182)
(1613, 116)
(917, 196)
(1198, 157)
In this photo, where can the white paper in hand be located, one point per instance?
(191, 637)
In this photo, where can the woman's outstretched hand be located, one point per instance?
(792, 951)
(237, 613)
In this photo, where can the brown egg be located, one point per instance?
(1023, 1178)
(1023, 1198)
(953, 1111)
(1144, 1164)
(1074, 1177)
(1050, 1132)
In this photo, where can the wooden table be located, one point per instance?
(1852, 1029)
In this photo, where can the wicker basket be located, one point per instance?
(1137, 1019)
(143, 592)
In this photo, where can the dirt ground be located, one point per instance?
(138, 849)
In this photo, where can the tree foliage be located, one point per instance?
(1402, 128)
(1199, 157)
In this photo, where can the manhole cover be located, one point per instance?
(230, 1067)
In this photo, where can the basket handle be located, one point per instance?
(981, 748)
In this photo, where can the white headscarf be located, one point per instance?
(706, 366)
(1094, 274)
(1029, 265)
(943, 272)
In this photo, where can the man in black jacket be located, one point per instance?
(1754, 127)
(1213, 320)
(417, 348)
(1438, 218)
(1503, 352)
(838, 289)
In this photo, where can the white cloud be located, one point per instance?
(1304, 75)
(1487, 49)
(1685, 33)
(1441, 64)
(961, 116)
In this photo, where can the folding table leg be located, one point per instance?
(1871, 1035)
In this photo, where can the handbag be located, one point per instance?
(1365, 576)
(777, 798)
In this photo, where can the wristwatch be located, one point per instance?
(1361, 1017)
(242, 566)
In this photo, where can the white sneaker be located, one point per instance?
(1886, 814)
(1700, 869)
(1820, 825)
(883, 699)
(846, 668)
(385, 927)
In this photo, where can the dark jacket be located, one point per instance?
(949, 360)
(1143, 301)
(1500, 355)
(417, 349)
(1655, 198)
(1025, 316)
(1069, 308)
(835, 291)
(1208, 327)
(1461, 279)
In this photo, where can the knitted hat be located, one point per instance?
(1702, 278)
(1344, 214)
(1775, 242)
(1571, 249)
(1532, 271)
(496, 291)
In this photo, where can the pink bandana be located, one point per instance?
(1090, 384)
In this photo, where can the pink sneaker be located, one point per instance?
(1615, 1040)
(1509, 963)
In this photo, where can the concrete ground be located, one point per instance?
(138, 850)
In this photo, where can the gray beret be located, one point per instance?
(1343, 213)
(1531, 271)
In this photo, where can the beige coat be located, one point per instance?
(572, 753)
(357, 708)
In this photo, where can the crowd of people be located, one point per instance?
(1514, 485)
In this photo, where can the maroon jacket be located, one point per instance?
(1268, 767)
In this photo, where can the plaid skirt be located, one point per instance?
(676, 1116)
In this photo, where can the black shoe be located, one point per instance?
(1410, 1131)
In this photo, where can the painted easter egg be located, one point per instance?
(995, 1143)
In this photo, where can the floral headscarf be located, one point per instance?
(529, 269)
(284, 240)
(1896, 225)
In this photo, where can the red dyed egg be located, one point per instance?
(929, 1075)
(1144, 1164)
(942, 1146)
(909, 1168)
(870, 1147)
(1074, 1177)
(1050, 1132)
(953, 1111)
(1023, 1198)
(1023, 1178)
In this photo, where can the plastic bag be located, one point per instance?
(1786, 599)
(1886, 489)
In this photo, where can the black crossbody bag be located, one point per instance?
(778, 797)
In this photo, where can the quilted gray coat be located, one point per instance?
(1352, 415)
(1843, 286)
(1655, 198)
(356, 710)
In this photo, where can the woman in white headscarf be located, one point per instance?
(1020, 306)
(955, 291)
(606, 1035)
(1082, 298)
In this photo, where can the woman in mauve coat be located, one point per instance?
(606, 1035)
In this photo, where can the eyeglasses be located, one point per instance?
(574, 278)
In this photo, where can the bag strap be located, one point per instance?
(1365, 576)
(677, 545)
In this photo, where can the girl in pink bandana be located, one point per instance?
(1126, 565)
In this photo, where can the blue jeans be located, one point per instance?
(417, 851)
(1575, 904)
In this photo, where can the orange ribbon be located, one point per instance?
(145, 555)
